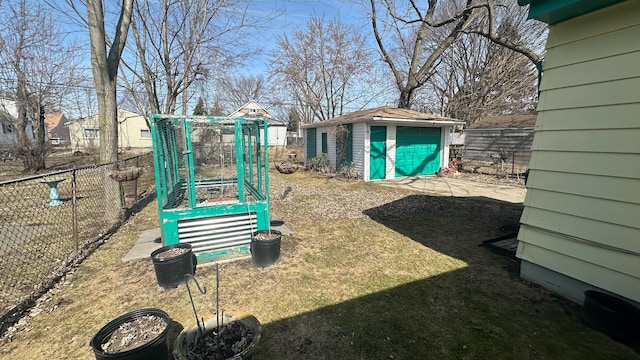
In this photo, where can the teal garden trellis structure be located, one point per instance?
(212, 181)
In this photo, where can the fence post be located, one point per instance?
(74, 212)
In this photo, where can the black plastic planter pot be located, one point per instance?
(265, 252)
(611, 315)
(157, 348)
(170, 271)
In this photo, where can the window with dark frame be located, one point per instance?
(145, 134)
(324, 143)
(91, 133)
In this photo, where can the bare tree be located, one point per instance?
(324, 67)
(37, 68)
(477, 77)
(237, 90)
(424, 34)
(179, 43)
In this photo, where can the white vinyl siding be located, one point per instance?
(583, 204)
(358, 148)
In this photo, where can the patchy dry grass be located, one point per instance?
(370, 273)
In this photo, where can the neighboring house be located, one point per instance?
(485, 138)
(58, 132)
(277, 130)
(133, 132)
(382, 143)
(581, 222)
(8, 118)
(8, 136)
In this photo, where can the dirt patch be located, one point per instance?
(506, 180)
(171, 253)
(135, 333)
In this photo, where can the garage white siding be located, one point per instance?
(391, 152)
(359, 148)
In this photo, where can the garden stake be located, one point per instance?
(218, 319)
(193, 306)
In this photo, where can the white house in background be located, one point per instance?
(277, 134)
(8, 118)
(133, 132)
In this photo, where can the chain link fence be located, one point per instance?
(49, 223)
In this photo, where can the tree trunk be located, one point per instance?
(406, 98)
(105, 73)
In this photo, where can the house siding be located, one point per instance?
(277, 135)
(359, 148)
(129, 135)
(331, 146)
(582, 204)
(391, 152)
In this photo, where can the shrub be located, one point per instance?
(321, 164)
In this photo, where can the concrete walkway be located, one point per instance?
(456, 187)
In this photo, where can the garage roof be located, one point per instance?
(387, 114)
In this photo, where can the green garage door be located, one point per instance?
(417, 151)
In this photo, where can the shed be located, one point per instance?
(383, 142)
(580, 225)
(485, 138)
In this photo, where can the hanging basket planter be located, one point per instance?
(286, 167)
(172, 262)
(129, 174)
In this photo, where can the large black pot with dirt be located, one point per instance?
(611, 315)
(265, 247)
(171, 263)
(136, 335)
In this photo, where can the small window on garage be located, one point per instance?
(324, 143)
(145, 134)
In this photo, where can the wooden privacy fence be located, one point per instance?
(486, 144)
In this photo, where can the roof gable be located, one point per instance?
(252, 109)
(52, 120)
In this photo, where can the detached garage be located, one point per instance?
(382, 143)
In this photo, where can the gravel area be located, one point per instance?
(306, 200)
